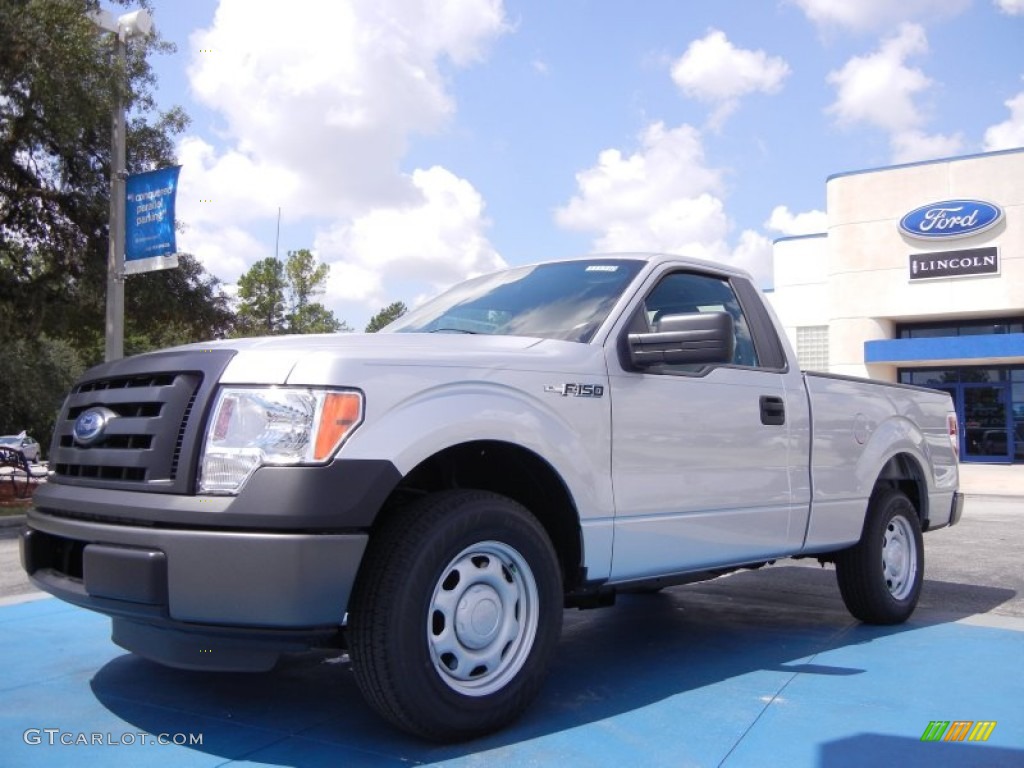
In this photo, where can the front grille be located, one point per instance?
(139, 445)
(151, 442)
(128, 382)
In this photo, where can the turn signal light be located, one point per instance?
(341, 412)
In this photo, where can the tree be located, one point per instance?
(316, 318)
(201, 309)
(37, 375)
(57, 80)
(57, 77)
(306, 279)
(56, 73)
(275, 298)
(391, 312)
(261, 299)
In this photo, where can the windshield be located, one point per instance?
(564, 300)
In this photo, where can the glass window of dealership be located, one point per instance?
(919, 279)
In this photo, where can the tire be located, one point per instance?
(880, 577)
(456, 615)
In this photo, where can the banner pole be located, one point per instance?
(115, 255)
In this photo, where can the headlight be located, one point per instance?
(251, 428)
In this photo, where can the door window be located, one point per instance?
(681, 293)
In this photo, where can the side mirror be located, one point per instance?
(702, 338)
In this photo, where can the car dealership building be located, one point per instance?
(919, 279)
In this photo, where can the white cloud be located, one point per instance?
(1009, 133)
(713, 70)
(662, 198)
(880, 89)
(788, 223)
(437, 240)
(316, 120)
(225, 251)
(913, 146)
(669, 166)
(693, 226)
(356, 283)
(865, 15)
(333, 103)
(754, 254)
(1011, 7)
(230, 187)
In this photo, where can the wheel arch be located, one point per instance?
(903, 472)
(509, 470)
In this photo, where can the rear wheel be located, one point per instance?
(880, 577)
(456, 616)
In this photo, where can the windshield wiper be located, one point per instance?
(453, 330)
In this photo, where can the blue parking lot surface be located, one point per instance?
(688, 677)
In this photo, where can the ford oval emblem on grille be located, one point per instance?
(90, 424)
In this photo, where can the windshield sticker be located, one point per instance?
(602, 268)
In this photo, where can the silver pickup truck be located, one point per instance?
(431, 497)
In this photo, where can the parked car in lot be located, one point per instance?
(28, 446)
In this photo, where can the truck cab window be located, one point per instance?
(681, 293)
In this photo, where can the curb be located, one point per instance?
(11, 521)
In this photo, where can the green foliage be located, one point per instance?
(391, 312)
(200, 309)
(306, 279)
(56, 99)
(37, 375)
(58, 76)
(316, 318)
(275, 298)
(261, 299)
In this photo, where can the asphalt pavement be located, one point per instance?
(761, 668)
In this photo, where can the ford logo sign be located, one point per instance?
(950, 219)
(90, 424)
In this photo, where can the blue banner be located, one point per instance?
(149, 242)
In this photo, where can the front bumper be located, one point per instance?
(267, 592)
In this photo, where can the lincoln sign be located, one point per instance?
(975, 261)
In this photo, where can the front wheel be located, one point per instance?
(880, 577)
(457, 615)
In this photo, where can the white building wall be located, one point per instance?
(856, 279)
(800, 294)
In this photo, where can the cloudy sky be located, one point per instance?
(411, 143)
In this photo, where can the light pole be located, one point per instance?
(124, 27)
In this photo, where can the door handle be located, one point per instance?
(773, 411)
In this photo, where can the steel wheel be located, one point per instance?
(483, 618)
(899, 558)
